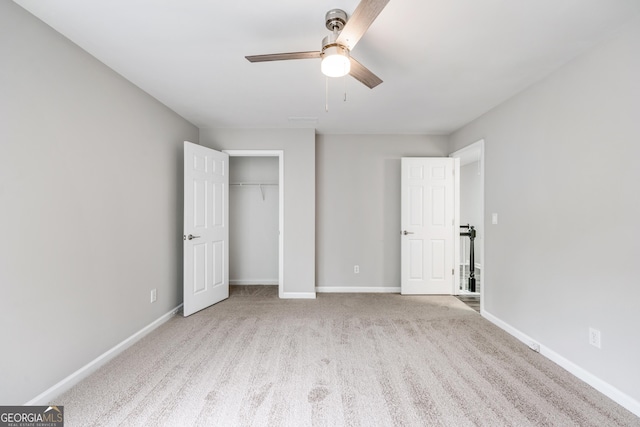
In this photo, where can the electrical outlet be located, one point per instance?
(494, 218)
(154, 295)
(594, 337)
(356, 269)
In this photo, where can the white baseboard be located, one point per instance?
(298, 295)
(358, 289)
(603, 387)
(254, 282)
(50, 394)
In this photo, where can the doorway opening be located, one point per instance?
(471, 197)
(256, 218)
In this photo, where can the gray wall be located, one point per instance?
(299, 193)
(254, 223)
(90, 207)
(358, 205)
(562, 173)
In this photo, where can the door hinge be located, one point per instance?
(453, 271)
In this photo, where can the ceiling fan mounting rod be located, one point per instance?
(335, 20)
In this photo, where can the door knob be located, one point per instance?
(191, 237)
(405, 232)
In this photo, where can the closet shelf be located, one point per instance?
(253, 184)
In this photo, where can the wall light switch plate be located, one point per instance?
(494, 218)
(594, 338)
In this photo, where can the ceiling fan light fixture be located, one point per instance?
(336, 47)
(335, 61)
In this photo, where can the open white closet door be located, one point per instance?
(428, 221)
(206, 229)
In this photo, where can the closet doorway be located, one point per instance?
(256, 217)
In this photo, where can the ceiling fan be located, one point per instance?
(336, 48)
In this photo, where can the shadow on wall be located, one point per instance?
(179, 225)
(391, 217)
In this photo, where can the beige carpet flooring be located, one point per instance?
(339, 360)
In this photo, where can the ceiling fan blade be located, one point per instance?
(363, 75)
(364, 15)
(283, 56)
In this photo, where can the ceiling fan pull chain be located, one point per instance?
(326, 94)
(345, 87)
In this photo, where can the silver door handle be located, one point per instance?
(405, 232)
(191, 237)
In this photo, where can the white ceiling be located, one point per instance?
(443, 62)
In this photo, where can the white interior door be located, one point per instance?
(206, 230)
(428, 225)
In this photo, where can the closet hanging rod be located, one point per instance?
(254, 184)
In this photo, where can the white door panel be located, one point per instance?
(206, 231)
(427, 220)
